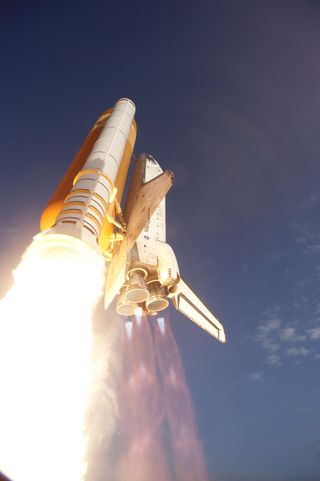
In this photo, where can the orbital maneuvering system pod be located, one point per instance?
(142, 270)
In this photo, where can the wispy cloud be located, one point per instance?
(288, 334)
(256, 376)
(308, 238)
(309, 201)
(270, 325)
(277, 255)
(314, 333)
(312, 248)
(273, 360)
(281, 341)
(267, 338)
(297, 351)
(305, 235)
(271, 346)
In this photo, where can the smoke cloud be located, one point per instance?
(103, 412)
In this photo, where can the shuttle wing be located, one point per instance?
(188, 303)
(147, 199)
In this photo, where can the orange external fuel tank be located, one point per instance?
(57, 201)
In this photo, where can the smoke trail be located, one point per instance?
(142, 455)
(187, 455)
(102, 414)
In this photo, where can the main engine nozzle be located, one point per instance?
(137, 290)
(157, 297)
(124, 306)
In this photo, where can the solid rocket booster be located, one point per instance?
(88, 191)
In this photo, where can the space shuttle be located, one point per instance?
(142, 271)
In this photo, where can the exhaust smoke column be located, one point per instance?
(45, 346)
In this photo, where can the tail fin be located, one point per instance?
(188, 303)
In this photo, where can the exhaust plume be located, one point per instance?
(141, 457)
(186, 450)
(45, 348)
(158, 437)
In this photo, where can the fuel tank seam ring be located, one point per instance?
(113, 189)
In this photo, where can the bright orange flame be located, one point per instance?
(45, 345)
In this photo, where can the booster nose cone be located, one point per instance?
(137, 291)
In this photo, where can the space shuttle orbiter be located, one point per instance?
(141, 268)
(149, 274)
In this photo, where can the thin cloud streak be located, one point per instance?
(297, 351)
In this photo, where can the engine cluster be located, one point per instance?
(147, 286)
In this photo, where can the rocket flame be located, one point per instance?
(45, 346)
(138, 315)
(157, 423)
(128, 327)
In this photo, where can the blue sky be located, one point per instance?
(228, 97)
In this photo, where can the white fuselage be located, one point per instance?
(154, 232)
